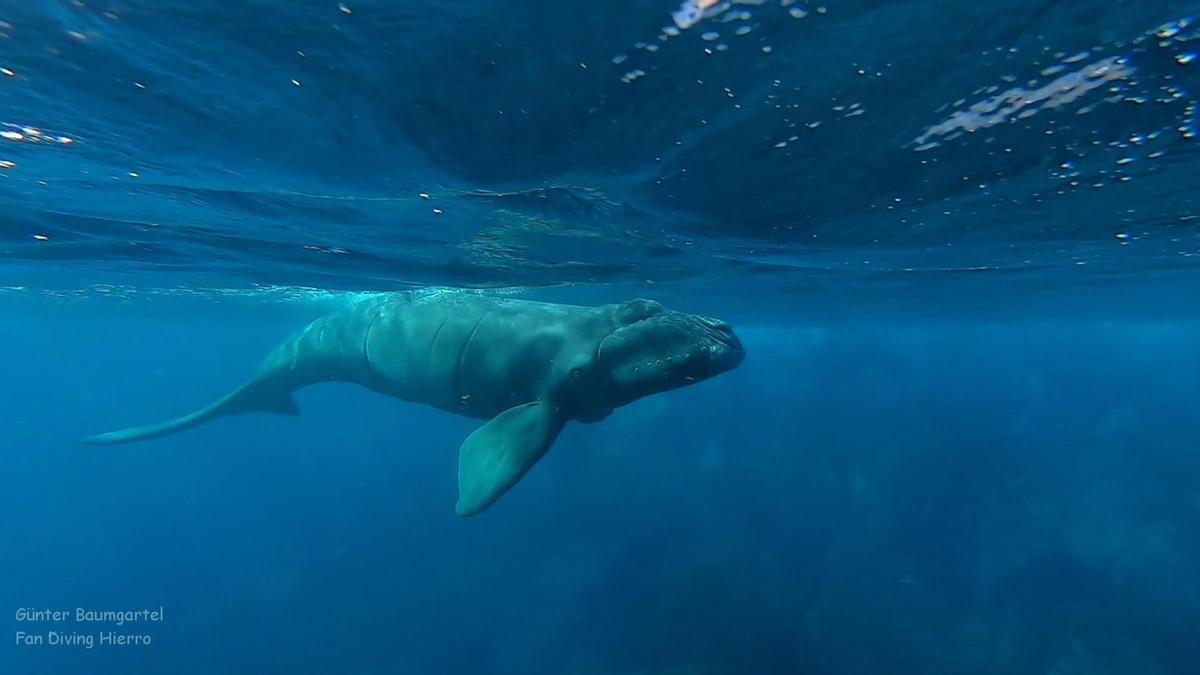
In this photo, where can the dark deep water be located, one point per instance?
(958, 240)
(859, 497)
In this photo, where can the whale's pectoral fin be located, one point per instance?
(498, 454)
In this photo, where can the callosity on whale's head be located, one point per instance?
(653, 349)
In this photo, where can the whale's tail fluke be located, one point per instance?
(246, 399)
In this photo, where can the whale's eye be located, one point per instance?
(579, 365)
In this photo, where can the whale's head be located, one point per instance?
(650, 349)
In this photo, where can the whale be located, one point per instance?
(527, 367)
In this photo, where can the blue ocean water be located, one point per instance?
(959, 242)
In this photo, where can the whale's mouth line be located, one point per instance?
(725, 337)
(600, 345)
(598, 356)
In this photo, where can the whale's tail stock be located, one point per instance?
(250, 397)
(286, 368)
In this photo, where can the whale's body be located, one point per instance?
(529, 367)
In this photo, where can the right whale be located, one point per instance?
(528, 367)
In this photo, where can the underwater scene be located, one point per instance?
(627, 337)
